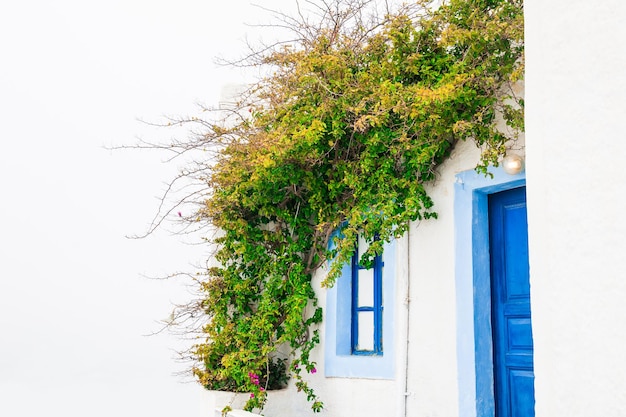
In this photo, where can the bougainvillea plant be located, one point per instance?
(344, 133)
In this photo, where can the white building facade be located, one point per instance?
(440, 324)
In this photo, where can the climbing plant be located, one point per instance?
(344, 134)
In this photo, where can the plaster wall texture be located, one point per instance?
(433, 384)
(575, 89)
(239, 413)
(341, 397)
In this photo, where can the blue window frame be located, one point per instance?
(340, 358)
(367, 304)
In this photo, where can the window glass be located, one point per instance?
(365, 291)
(365, 341)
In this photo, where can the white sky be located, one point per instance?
(74, 307)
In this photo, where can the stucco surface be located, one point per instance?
(432, 347)
(575, 89)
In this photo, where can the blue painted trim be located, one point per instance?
(378, 306)
(473, 288)
(338, 358)
(354, 322)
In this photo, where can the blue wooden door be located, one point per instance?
(511, 318)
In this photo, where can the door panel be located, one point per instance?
(511, 318)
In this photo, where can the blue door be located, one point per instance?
(510, 303)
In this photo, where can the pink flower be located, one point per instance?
(254, 378)
(313, 370)
(251, 395)
(262, 389)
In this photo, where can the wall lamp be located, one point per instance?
(513, 164)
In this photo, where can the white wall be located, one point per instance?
(575, 104)
(433, 384)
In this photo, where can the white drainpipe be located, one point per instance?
(402, 361)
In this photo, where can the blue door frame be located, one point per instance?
(473, 288)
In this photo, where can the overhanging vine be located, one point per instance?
(350, 126)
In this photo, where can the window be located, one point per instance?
(367, 304)
(359, 334)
